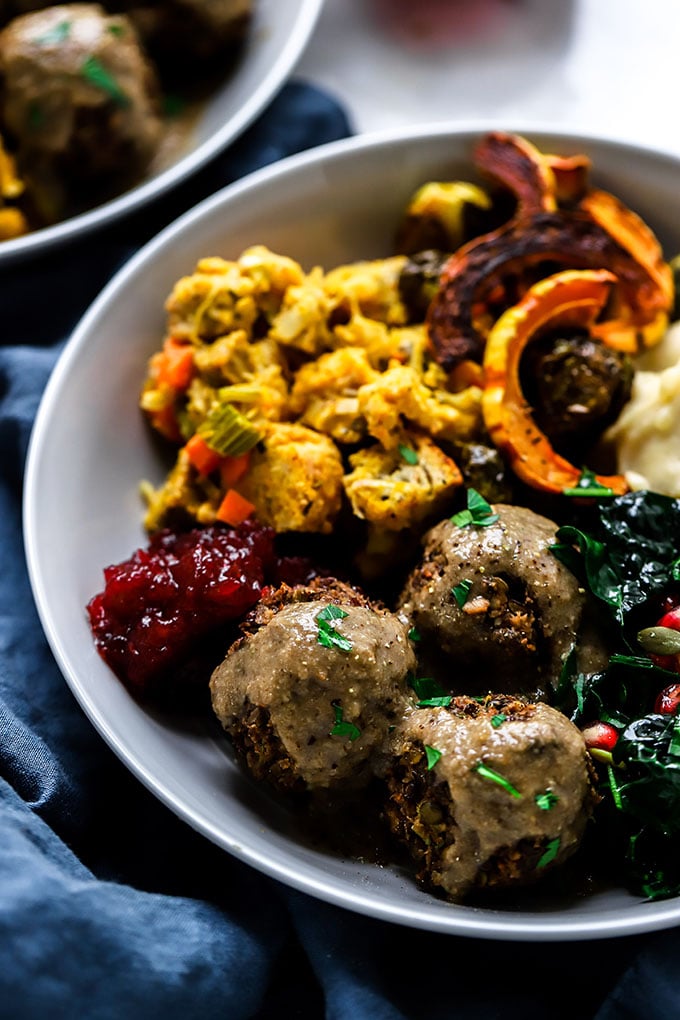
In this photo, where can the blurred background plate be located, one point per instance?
(276, 39)
(91, 447)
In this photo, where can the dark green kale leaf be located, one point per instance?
(630, 555)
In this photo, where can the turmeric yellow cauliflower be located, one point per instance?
(300, 391)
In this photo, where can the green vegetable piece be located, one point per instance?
(332, 612)
(117, 30)
(228, 432)
(408, 453)
(461, 591)
(94, 71)
(478, 512)
(614, 787)
(414, 634)
(328, 636)
(546, 801)
(432, 755)
(443, 702)
(495, 777)
(56, 35)
(341, 728)
(587, 485)
(550, 853)
(498, 720)
(426, 687)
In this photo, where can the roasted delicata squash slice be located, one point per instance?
(569, 299)
(598, 232)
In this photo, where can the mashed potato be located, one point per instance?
(646, 435)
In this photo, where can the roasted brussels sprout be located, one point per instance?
(576, 387)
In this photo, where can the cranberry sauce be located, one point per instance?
(163, 619)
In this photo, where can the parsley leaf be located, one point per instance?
(332, 612)
(432, 755)
(498, 720)
(94, 71)
(546, 800)
(478, 512)
(408, 453)
(488, 773)
(588, 485)
(341, 728)
(461, 591)
(328, 636)
(427, 687)
(550, 853)
(59, 33)
(414, 634)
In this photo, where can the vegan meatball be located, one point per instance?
(309, 692)
(487, 795)
(79, 103)
(498, 607)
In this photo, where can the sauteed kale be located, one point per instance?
(628, 556)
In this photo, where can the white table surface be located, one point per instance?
(594, 66)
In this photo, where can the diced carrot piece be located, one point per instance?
(233, 468)
(202, 456)
(165, 422)
(234, 509)
(176, 366)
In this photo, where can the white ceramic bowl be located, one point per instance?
(90, 448)
(276, 40)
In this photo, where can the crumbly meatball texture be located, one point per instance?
(506, 800)
(498, 605)
(306, 715)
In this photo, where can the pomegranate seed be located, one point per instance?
(668, 700)
(600, 736)
(670, 619)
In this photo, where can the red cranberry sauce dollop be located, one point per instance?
(159, 620)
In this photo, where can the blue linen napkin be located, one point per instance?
(110, 906)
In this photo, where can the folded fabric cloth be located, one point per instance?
(112, 907)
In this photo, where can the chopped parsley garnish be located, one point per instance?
(59, 33)
(614, 787)
(328, 635)
(95, 72)
(498, 720)
(408, 453)
(461, 591)
(414, 634)
(429, 692)
(487, 773)
(478, 512)
(588, 485)
(432, 755)
(546, 801)
(117, 30)
(341, 728)
(550, 852)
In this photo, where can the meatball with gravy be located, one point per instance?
(79, 103)
(501, 611)
(309, 692)
(487, 794)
